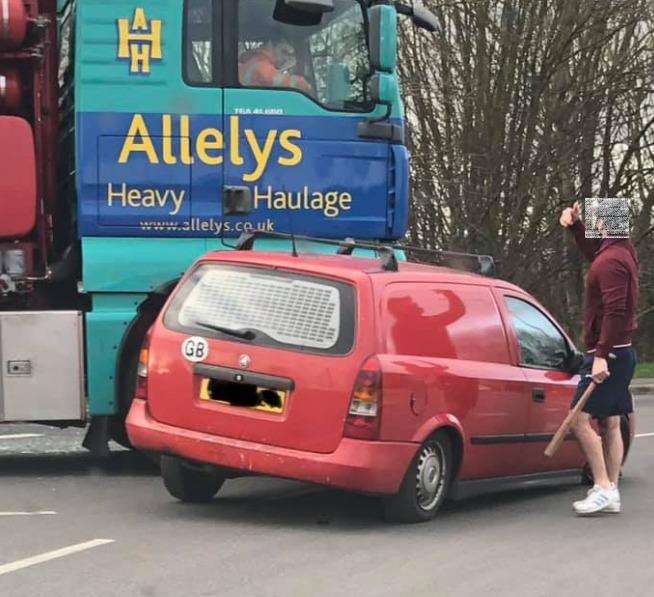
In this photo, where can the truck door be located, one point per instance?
(153, 117)
(294, 96)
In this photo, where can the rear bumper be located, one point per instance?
(356, 465)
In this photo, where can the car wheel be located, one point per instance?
(425, 484)
(189, 484)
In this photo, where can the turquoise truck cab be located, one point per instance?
(171, 126)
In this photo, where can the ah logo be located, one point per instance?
(140, 41)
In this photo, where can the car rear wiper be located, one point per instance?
(245, 334)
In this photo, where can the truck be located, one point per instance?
(136, 135)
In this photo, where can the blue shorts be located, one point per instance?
(612, 396)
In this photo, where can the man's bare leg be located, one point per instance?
(614, 448)
(591, 444)
(601, 429)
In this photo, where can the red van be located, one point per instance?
(403, 380)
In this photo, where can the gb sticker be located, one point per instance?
(195, 349)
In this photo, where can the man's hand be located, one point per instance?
(600, 370)
(570, 215)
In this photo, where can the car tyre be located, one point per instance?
(189, 484)
(425, 484)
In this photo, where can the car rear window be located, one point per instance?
(281, 309)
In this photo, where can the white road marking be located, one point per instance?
(644, 434)
(20, 436)
(52, 555)
(37, 513)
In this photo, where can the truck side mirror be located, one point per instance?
(383, 91)
(383, 37)
(311, 6)
(422, 17)
(301, 13)
(382, 88)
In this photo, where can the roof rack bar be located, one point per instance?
(386, 252)
(346, 247)
(486, 262)
(439, 251)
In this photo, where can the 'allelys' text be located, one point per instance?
(177, 146)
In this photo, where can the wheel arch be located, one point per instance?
(448, 424)
(457, 448)
(146, 313)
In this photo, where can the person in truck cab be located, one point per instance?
(609, 323)
(271, 65)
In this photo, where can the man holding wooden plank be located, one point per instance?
(609, 322)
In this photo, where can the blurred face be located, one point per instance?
(608, 217)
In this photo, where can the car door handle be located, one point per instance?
(538, 395)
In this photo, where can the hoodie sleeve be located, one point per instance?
(588, 246)
(614, 281)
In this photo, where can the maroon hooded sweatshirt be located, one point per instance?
(611, 291)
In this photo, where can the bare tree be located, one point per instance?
(515, 110)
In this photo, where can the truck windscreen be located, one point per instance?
(329, 62)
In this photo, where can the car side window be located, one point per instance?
(541, 343)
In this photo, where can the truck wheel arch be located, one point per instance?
(128, 353)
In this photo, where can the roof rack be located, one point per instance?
(454, 259)
(345, 247)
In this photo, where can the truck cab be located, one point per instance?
(140, 135)
(202, 104)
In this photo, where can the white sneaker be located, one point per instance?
(615, 506)
(598, 500)
(592, 490)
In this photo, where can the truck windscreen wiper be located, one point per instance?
(244, 334)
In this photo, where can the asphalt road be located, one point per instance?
(271, 537)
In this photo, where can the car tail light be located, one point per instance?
(141, 390)
(364, 414)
